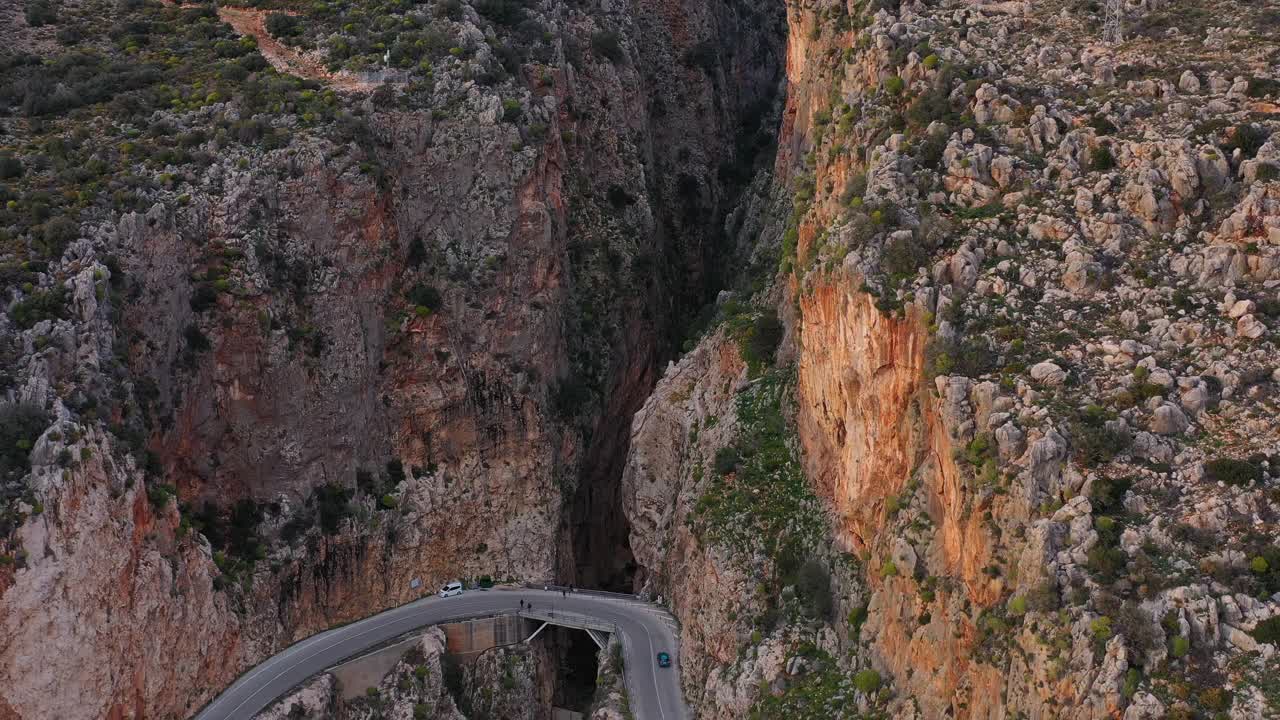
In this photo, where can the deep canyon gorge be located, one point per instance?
(920, 355)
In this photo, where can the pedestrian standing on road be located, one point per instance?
(571, 588)
(521, 603)
(562, 592)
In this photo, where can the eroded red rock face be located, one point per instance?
(561, 261)
(870, 426)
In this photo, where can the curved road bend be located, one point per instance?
(645, 630)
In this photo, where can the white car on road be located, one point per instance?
(451, 589)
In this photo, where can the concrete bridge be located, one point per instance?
(643, 628)
(599, 630)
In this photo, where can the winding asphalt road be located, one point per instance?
(645, 630)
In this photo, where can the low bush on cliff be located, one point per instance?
(1233, 471)
(822, 691)
(766, 505)
(283, 26)
(20, 426)
(1267, 631)
(327, 506)
(813, 582)
(758, 341)
(46, 305)
(1093, 442)
(758, 335)
(609, 45)
(233, 531)
(902, 257)
(970, 357)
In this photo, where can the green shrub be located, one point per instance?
(197, 341)
(47, 305)
(930, 62)
(1102, 125)
(867, 681)
(979, 450)
(1101, 629)
(1093, 442)
(511, 110)
(1259, 565)
(856, 618)
(159, 494)
(1180, 646)
(814, 585)
(388, 501)
(1101, 159)
(608, 44)
(726, 461)
(1106, 561)
(1232, 471)
(427, 296)
(1267, 631)
(892, 505)
(10, 167)
(1248, 139)
(1105, 525)
(888, 569)
(20, 426)
(759, 342)
(1132, 679)
(283, 25)
(39, 13)
(902, 257)
(894, 85)
(1263, 87)
(1018, 606)
(971, 357)
(334, 505)
(1106, 495)
(203, 298)
(503, 12)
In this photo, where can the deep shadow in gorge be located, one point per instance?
(723, 89)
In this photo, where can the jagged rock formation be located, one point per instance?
(273, 351)
(983, 427)
(1032, 383)
(611, 699)
(500, 683)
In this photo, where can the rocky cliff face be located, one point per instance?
(275, 349)
(1022, 284)
(983, 426)
(501, 682)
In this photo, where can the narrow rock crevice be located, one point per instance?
(712, 127)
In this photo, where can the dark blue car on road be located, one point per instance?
(664, 660)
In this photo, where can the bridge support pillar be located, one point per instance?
(598, 636)
(535, 632)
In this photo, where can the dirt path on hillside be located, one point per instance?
(284, 58)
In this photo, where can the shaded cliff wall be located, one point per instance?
(710, 73)
(405, 348)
